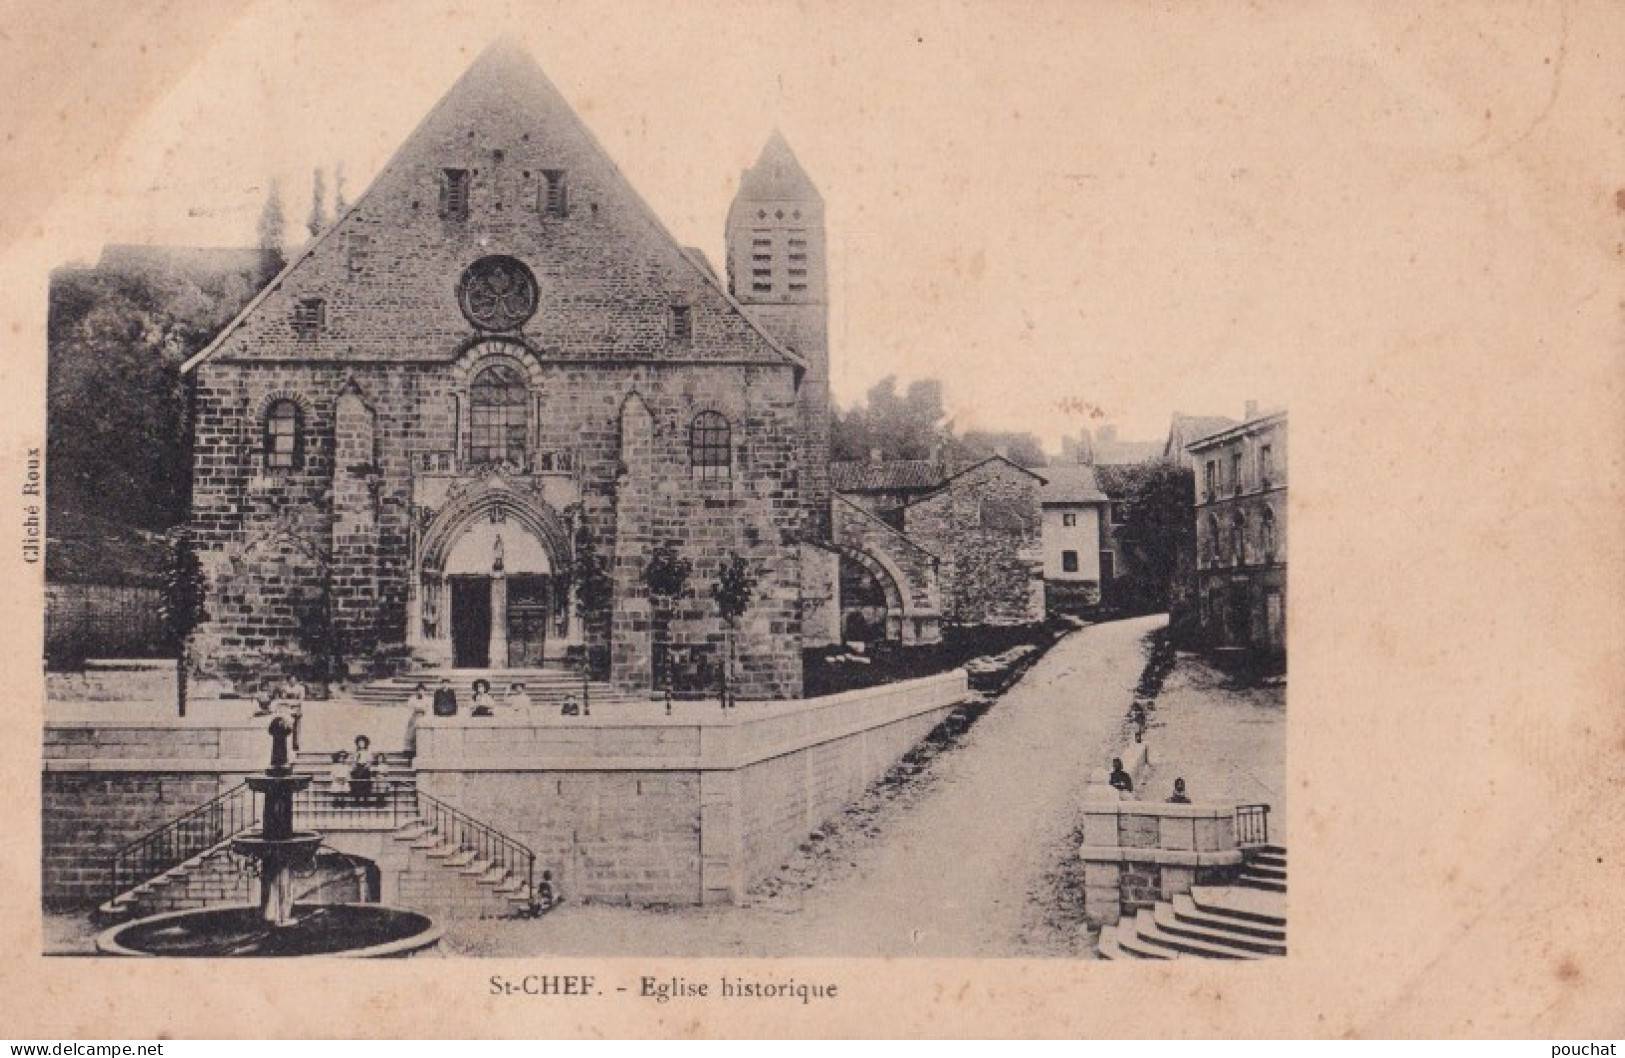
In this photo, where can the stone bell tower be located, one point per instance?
(776, 269)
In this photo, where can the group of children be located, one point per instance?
(355, 773)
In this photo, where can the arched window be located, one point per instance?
(284, 436)
(1213, 539)
(496, 416)
(710, 447)
(1267, 532)
(1238, 539)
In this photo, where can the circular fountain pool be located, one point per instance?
(351, 930)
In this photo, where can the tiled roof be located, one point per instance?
(1195, 427)
(893, 475)
(1070, 484)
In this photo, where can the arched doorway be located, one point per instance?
(871, 603)
(493, 582)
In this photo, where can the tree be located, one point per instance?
(1158, 530)
(272, 230)
(1022, 449)
(594, 588)
(666, 577)
(733, 590)
(316, 223)
(180, 604)
(118, 437)
(901, 426)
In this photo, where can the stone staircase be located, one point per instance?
(206, 880)
(443, 878)
(546, 687)
(1246, 920)
(1265, 869)
(438, 870)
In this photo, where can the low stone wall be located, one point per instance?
(112, 681)
(663, 810)
(1135, 853)
(645, 809)
(106, 783)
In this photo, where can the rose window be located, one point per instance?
(498, 293)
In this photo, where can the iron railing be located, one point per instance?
(386, 803)
(182, 838)
(1252, 824)
(467, 834)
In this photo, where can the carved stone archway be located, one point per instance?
(521, 511)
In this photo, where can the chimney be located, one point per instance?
(874, 455)
(1252, 411)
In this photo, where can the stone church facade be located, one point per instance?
(497, 360)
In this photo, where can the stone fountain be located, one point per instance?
(276, 925)
(278, 849)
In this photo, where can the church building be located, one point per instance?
(497, 380)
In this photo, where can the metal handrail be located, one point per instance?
(182, 838)
(391, 801)
(1252, 824)
(467, 834)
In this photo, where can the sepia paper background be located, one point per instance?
(1429, 280)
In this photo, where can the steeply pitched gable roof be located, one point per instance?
(507, 124)
(991, 463)
(1185, 429)
(1070, 485)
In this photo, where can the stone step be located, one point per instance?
(1270, 885)
(1108, 947)
(1147, 930)
(1130, 942)
(1248, 904)
(1260, 870)
(1170, 921)
(1187, 911)
(493, 876)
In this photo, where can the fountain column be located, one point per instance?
(277, 847)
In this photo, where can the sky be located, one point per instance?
(1070, 214)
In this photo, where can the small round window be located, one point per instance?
(497, 294)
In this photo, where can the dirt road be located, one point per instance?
(959, 861)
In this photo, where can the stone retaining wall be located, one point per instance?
(648, 810)
(666, 810)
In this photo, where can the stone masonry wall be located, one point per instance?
(611, 837)
(87, 816)
(985, 526)
(263, 536)
(610, 287)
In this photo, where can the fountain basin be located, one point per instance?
(240, 930)
(298, 846)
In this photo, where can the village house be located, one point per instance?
(1241, 514)
(1076, 564)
